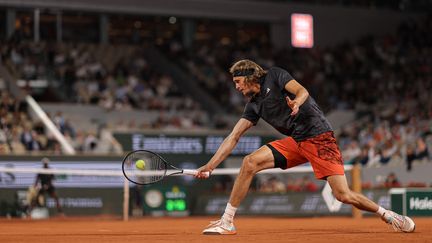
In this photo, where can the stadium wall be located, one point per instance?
(332, 24)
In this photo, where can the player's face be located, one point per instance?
(242, 86)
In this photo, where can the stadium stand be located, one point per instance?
(395, 113)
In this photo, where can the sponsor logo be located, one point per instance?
(416, 203)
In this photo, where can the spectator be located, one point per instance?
(391, 181)
(309, 185)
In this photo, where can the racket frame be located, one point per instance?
(167, 165)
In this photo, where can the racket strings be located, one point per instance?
(157, 166)
(153, 170)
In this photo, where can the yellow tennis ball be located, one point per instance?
(140, 164)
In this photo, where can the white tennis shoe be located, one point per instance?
(220, 227)
(399, 222)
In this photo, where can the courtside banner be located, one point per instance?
(283, 204)
(187, 144)
(412, 201)
(74, 201)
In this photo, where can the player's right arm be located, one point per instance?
(226, 147)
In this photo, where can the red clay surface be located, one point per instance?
(250, 229)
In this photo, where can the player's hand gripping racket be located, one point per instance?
(144, 167)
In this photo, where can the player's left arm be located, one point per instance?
(300, 92)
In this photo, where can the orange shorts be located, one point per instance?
(321, 151)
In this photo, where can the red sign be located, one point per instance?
(302, 30)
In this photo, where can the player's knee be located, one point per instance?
(249, 165)
(344, 197)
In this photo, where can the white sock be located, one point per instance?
(229, 213)
(381, 211)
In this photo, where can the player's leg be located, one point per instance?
(259, 160)
(280, 153)
(252, 164)
(343, 193)
(326, 160)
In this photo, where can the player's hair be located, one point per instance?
(249, 69)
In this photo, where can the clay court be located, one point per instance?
(250, 229)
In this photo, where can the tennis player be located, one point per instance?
(276, 97)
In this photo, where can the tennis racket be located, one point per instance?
(144, 167)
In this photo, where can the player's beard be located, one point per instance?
(250, 94)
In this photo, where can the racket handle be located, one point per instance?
(195, 172)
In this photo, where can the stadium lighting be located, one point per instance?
(302, 30)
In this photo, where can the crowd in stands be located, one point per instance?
(285, 183)
(339, 77)
(386, 79)
(271, 184)
(13, 121)
(401, 135)
(19, 133)
(392, 181)
(208, 62)
(399, 125)
(113, 77)
(22, 134)
(300, 184)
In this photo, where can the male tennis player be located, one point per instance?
(277, 98)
